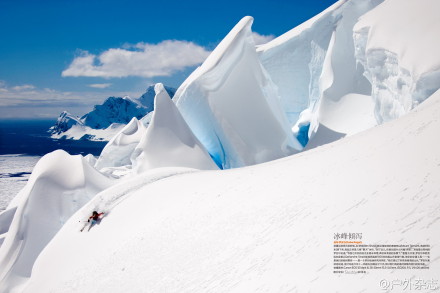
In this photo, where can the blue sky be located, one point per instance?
(60, 55)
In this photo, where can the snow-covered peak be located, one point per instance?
(97, 124)
(168, 141)
(64, 122)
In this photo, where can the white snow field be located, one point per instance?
(14, 173)
(265, 228)
(357, 87)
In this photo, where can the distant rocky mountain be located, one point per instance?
(104, 119)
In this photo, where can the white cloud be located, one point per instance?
(100, 85)
(142, 59)
(262, 39)
(19, 101)
(23, 87)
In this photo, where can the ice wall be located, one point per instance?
(168, 141)
(314, 62)
(233, 107)
(400, 54)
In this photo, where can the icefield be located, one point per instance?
(238, 183)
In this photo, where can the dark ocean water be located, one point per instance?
(30, 138)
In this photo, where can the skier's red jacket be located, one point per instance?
(95, 217)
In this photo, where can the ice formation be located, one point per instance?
(232, 106)
(59, 185)
(400, 54)
(168, 141)
(118, 150)
(314, 67)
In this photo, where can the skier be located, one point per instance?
(93, 219)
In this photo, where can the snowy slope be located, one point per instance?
(263, 228)
(59, 185)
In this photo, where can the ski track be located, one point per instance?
(108, 199)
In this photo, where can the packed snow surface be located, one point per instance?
(14, 174)
(255, 229)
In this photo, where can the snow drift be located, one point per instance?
(118, 150)
(168, 141)
(59, 185)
